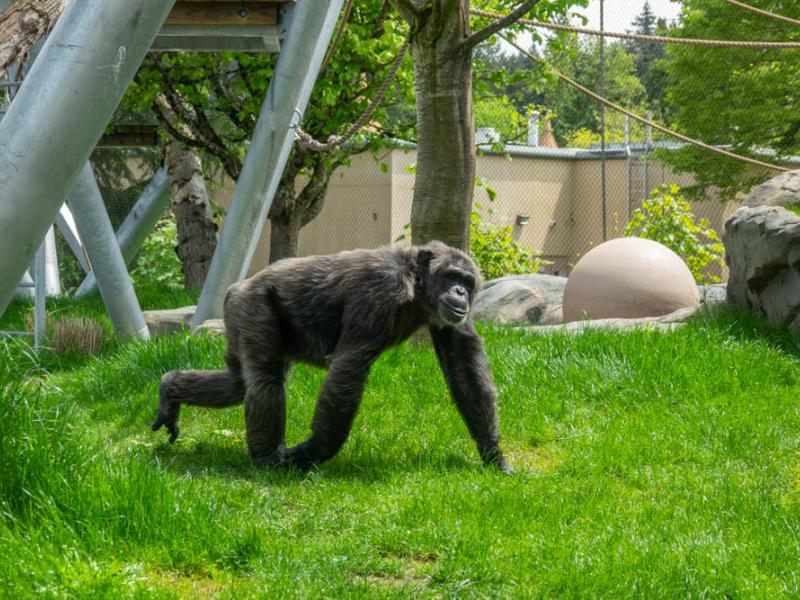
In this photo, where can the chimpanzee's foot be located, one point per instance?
(168, 411)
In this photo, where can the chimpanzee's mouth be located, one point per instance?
(453, 314)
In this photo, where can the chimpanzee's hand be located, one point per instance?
(168, 411)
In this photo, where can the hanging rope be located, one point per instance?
(340, 30)
(656, 39)
(307, 141)
(762, 12)
(653, 124)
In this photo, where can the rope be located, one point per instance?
(334, 142)
(641, 119)
(762, 12)
(339, 31)
(644, 38)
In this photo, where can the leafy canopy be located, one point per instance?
(745, 98)
(666, 217)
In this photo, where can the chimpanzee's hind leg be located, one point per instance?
(210, 389)
(265, 407)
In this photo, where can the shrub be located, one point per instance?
(497, 253)
(77, 336)
(157, 264)
(666, 217)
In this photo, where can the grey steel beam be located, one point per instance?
(40, 306)
(66, 224)
(59, 114)
(52, 275)
(98, 237)
(312, 24)
(25, 286)
(219, 38)
(140, 221)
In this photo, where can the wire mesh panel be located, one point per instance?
(564, 175)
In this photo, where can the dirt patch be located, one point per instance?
(541, 457)
(400, 571)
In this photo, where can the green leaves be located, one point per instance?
(666, 217)
(744, 98)
(495, 250)
(157, 264)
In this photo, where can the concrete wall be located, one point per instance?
(368, 206)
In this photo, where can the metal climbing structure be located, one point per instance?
(60, 111)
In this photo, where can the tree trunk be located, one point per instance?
(291, 211)
(284, 235)
(197, 232)
(446, 139)
(22, 24)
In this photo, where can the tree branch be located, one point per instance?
(488, 31)
(377, 30)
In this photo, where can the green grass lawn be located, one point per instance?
(648, 465)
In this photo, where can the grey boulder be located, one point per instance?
(762, 247)
(782, 190)
(521, 300)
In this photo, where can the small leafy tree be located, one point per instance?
(667, 217)
(497, 253)
(157, 263)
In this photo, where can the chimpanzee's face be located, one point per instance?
(452, 282)
(455, 287)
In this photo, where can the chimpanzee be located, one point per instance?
(341, 312)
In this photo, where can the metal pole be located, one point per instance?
(287, 96)
(629, 164)
(26, 286)
(137, 225)
(40, 306)
(646, 158)
(59, 114)
(104, 253)
(66, 224)
(53, 277)
(602, 92)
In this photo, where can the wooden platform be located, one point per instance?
(223, 25)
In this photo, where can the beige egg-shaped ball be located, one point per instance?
(628, 278)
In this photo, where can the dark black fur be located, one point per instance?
(341, 312)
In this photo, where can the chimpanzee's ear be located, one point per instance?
(424, 258)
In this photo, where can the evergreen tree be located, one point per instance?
(650, 58)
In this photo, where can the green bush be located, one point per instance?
(666, 217)
(497, 253)
(157, 263)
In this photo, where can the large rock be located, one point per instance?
(521, 300)
(213, 326)
(762, 249)
(169, 320)
(668, 322)
(782, 190)
(713, 294)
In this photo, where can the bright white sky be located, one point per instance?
(619, 14)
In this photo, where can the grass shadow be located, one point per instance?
(230, 460)
(743, 326)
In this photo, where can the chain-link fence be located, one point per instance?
(566, 172)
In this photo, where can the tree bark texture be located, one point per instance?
(445, 175)
(22, 24)
(197, 231)
(292, 210)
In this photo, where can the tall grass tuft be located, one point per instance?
(77, 335)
